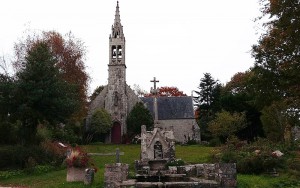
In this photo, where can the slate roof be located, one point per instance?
(171, 107)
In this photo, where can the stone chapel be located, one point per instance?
(119, 99)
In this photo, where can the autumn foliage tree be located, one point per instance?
(167, 92)
(40, 96)
(69, 55)
(277, 52)
(277, 58)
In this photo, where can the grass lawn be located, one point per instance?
(190, 154)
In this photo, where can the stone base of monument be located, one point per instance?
(75, 174)
(217, 175)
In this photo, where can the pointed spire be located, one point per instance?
(117, 28)
(117, 14)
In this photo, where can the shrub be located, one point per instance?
(215, 142)
(252, 158)
(19, 157)
(55, 154)
(28, 157)
(70, 133)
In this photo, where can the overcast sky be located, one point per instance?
(175, 41)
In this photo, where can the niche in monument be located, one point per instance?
(158, 151)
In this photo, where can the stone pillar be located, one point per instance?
(115, 174)
(144, 155)
(226, 174)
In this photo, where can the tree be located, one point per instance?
(138, 116)
(101, 123)
(226, 124)
(277, 54)
(237, 96)
(276, 66)
(69, 54)
(207, 102)
(275, 121)
(167, 92)
(209, 91)
(240, 83)
(42, 95)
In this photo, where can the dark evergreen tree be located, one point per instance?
(69, 54)
(237, 96)
(42, 95)
(138, 116)
(207, 102)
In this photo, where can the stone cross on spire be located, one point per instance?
(154, 90)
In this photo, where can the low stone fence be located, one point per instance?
(224, 173)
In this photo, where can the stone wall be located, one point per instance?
(132, 98)
(183, 129)
(98, 102)
(224, 173)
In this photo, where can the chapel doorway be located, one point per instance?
(158, 152)
(116, 133)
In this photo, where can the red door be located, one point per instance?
(116, 133)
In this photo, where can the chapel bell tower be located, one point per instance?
(116, 102)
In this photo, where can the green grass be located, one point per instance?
(252, 181)
(190, 154)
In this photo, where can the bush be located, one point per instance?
(69, 133)
(250, 165)
(18, 157)
(55, 154)
(255, 158)
(28, 157)
(9, 133)
(215, 142)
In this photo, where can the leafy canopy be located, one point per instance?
(167, 92)
(226, 124)
(138, 116)
(101, 122)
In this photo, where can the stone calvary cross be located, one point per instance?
(154, 82)
(154, 91)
